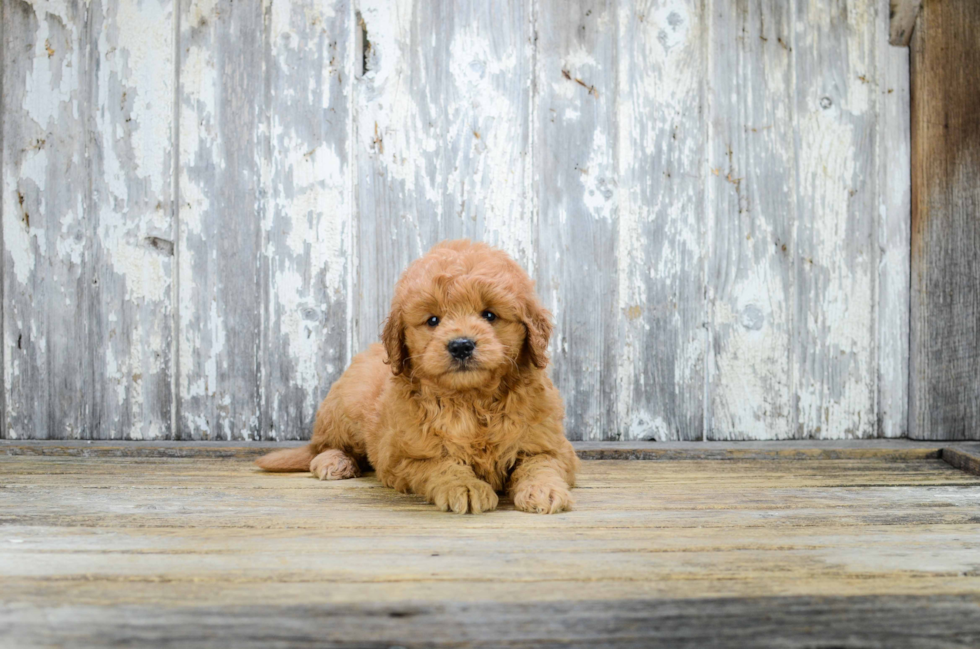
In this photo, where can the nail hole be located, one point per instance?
(363, 43)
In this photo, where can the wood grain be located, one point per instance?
(87, 149)
(884, 621)
(173, 549)
(266, 217)
(646, 160)
(804, 141)
(46, 200)
(3, 247)
(945, 321)
(966, 459)
(221, 295)
(894, 166)
(782, 450)
(902, 14)
(752, 207)
(308, 223)
(834, 232)
(661, 341)
(441, 117)
(575, 181)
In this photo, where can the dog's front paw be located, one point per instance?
(472, 496)
(542, 497)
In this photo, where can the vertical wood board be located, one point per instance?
(87, 219)
(945, 323)
(575, 183)
(660, 147)
(834, 234)
(442, 138)
(752, 201)
(894, 215)
(3, 156)
(308, 219)
(222, 91)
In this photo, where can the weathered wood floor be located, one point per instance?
(873, 549)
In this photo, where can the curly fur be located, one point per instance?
(455, 435)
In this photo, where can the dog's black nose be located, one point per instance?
(461, 348)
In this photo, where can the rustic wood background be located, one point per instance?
(206, 203)
(945, 322)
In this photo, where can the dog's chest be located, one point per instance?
(484, 441)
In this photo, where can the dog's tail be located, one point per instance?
(288, 459)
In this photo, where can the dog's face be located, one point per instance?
(463, 316)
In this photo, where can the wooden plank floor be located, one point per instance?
(868, 550)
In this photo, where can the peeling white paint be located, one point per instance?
(86, 175)
(145, 35)
(665, 239)
(659, 249)
(18, 235)
(47, 88)
(597, 176)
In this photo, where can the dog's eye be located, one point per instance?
(489, 316)
(433, 321)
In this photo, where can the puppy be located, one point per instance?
(455, 404)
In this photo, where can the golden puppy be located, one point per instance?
(455, 405)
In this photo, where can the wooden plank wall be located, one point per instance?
(206, 204)
(945, 363)
(88, 218)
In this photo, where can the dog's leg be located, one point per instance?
(334, 464)
(540, 485)
(446, 484)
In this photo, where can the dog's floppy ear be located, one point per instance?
(537, 321)
(393, 338)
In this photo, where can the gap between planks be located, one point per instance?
(964, 455)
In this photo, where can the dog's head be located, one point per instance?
(463, 316)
